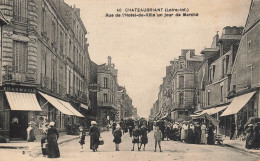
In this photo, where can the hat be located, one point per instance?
(52, 123)
(93, 122)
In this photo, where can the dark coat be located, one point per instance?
(52, 138)
(94, 137)
(117, 136)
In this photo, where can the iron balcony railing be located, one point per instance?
(13, 74)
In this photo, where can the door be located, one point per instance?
(18, 124)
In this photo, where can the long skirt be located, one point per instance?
(53, 150)
(94, 142)
(203, 137)
(183, 134)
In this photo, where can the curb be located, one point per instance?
(242, 149)
(14, 147)
(59, 143)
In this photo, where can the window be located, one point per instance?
(61, 42)
(43, 19)
(208, 97)
(53, 31)
(105, 97)
(227, 62)
(44, 63)
(181, 81)
(221, 93)
(20, 10)
(249, 46)
(20, 57)
(181, 97)
(181, 65)
(223, 68)
(105, 82)
(249, 75)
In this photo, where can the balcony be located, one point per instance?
(12, 75)
(106, 104)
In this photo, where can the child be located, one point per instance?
(157, 138)
(117, 136)
(82, 135)
(136, 134)
(144, 138)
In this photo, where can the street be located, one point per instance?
(172, 150)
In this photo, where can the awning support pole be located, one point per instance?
(44, 104)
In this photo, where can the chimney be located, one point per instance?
(109, 61)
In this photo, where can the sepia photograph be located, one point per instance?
(130, 80)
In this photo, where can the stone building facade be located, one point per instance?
(107, 97)
(183, 84)
(45, 59)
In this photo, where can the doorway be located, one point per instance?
(18, 125)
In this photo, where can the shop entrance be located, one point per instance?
(18, 125)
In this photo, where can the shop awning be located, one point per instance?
(84, 106)
(213, 111)
(72, 109)
(23, 101)
(57, 104)
(237, 104)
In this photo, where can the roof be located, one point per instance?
(253, 15)
(195, 58)
(210, 50)
(230, 37)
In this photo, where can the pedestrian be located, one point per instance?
(52, 139)
(158, 138)
(197, 132)
(117, 136)
(203, 138)
(144, 138)
(113, 126)
(44, 139)
(184, 132)
(94, 134)
(82, 135)
(211, 140)
(130, 125)
(249, 136)
(30, 132)
(136, 134)
(190, 135)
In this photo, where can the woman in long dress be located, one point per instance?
(183, 132)
(94, 136)
(52, 139)
(211, 140)
(203, 134)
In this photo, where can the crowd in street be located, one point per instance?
(192, 132)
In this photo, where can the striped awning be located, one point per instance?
(72, 109)
(23, 101)
(57, 104)
(237, 104)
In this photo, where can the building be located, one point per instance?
(183, 84)
(214, 77)
(45, 64)
(107, 97)
(245, 80)
(126, 109)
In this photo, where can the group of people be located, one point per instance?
(138, 130)
(252, 132)
(187, 131)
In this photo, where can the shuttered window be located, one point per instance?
(20, 57)
(20, 10)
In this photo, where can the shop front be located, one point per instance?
(238, 112)
(18, 109)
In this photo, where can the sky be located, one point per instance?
(142, 47)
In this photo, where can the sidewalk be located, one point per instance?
(240, 145)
